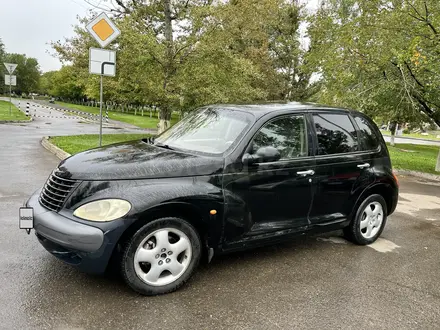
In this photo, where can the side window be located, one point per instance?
(367, 133)
(336, 134)
(287, 134)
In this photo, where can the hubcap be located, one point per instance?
(372, 219)
(163, 257)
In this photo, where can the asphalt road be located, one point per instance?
(310, 283)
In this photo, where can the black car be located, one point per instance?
(225, 178)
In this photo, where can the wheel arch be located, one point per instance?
(383, 189)
(186, 211)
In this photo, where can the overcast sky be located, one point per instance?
(28, 26)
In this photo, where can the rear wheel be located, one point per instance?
(161, 256)
(368, 222)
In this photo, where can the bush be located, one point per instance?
(406, 131)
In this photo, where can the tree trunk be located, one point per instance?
(165, 112)
(164, 120)
(168, 30)
(393, 128)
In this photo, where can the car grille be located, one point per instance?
(55, 191)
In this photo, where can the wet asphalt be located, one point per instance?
(319, 282)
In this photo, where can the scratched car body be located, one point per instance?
(225, 178)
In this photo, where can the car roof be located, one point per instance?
(261, 109)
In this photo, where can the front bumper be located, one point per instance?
(64, 231)
(78, 244)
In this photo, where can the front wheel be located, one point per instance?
(368, 222)
(161, 256)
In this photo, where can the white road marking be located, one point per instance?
(7, 196)
(335, 240)
(413, 203)
(383, 245)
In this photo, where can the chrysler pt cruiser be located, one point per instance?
(225, 178)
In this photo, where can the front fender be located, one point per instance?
(202, 193)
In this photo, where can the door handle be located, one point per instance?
(309, 172)
(366, 165)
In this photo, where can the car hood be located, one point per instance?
(136, 160)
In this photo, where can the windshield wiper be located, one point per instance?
(149, 140)
(161, 145)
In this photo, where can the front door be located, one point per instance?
(275, 196)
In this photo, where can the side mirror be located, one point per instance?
(264, 154)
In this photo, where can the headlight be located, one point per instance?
(103, 210)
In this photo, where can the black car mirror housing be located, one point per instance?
(263, 155)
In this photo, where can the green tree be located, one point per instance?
(289, 56)
(27, 72)
(379, 56)
(177, 55)
(47, 83)
(182, 54)
(2, 68)
(2, 49)
(66, 84)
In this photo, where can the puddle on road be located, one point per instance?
(383, 245)
(413, 203)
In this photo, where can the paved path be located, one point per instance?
(412, 141)
(311, 283)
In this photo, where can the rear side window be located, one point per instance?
(336, 134)
(367, 134)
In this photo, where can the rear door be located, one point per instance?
(342, 167)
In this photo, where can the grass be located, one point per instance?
(77, 143)
(138, 120)
(414, 157)
(16, 113)
(414, 135)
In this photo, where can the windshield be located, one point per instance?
(208, 130)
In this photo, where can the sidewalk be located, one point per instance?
(411, 140)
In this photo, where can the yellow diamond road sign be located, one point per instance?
(103, 29)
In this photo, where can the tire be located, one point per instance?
(368, 222)
(161, 256)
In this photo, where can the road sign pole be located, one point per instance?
(100, 115)
(104, 31)
(10, 97)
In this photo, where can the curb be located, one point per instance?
(421, 175)
(16, 121)
(61, 154)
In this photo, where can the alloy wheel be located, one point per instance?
(163, 256)
(371, 221)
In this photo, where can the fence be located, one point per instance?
(142, 110)
(138, 110)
